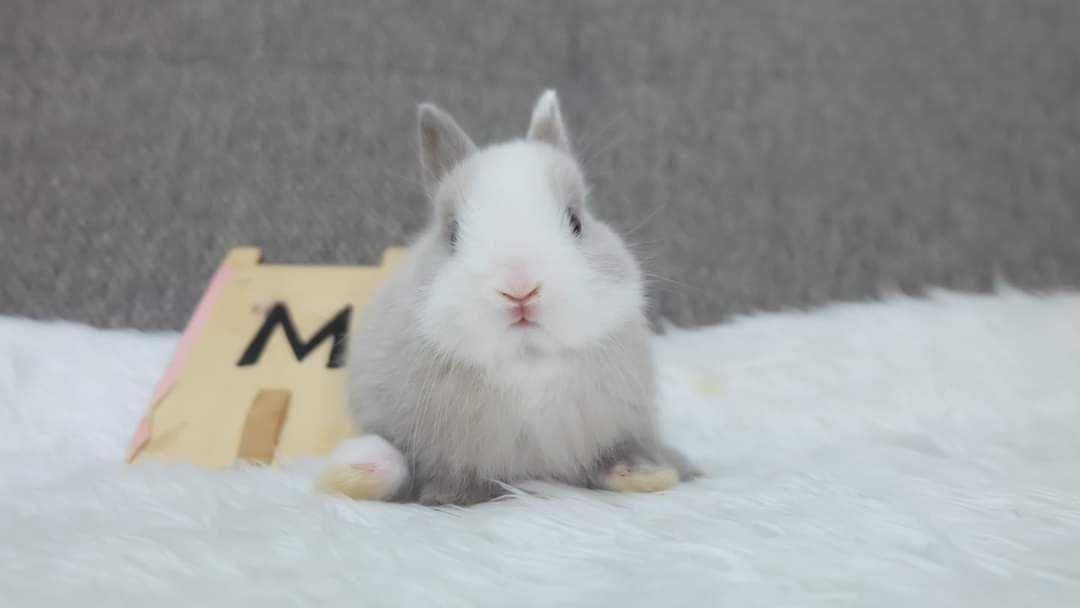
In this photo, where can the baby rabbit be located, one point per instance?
(511, 344)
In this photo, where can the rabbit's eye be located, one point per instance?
(575, 222)
(452, 233)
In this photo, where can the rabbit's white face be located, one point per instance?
(520, 269)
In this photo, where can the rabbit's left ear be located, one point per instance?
(547, 123)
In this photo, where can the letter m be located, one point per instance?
(337, 328)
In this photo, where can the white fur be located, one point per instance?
(895, 454)
(366, 449)
(373, 450)
(511, 223)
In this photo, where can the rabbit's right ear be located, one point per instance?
(443, 145)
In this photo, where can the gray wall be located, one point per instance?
(769, 153)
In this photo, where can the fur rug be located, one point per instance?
(906, 452)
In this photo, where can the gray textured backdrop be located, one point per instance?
(772, 152)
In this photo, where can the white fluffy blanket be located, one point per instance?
(910, 452)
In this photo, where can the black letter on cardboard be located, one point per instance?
(338, 328)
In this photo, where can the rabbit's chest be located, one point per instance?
(549, 430)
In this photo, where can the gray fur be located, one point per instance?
(464, 429)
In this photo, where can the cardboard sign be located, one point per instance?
(259, 373)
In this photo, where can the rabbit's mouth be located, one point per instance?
(523, 314)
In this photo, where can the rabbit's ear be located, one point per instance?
(443, 145)
(547, 123)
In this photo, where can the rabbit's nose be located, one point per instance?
(521, 294)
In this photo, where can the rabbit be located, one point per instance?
(511, 344)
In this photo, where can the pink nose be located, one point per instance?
(521, 295)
